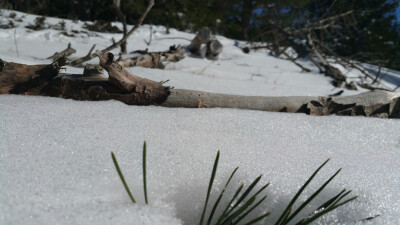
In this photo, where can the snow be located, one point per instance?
(56, 168)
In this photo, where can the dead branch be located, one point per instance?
(296, 63)
(166, 38)
(117, 44)
(151, 36)
(66, 52)
(154, 59)
(122, 18)
(323, 23)
(83, 59)
(303, 68)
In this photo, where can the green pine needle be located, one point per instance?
(214, 171)
(235, 213)
(144, 173)
(122, 177)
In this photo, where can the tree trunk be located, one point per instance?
(84, 10)
(247, 13)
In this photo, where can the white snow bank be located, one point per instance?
(55, 164)
(235, 72)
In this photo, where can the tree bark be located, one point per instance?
(18, 78)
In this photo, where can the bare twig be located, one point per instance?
(15, 41)
(182, 38)
(123, 21)
(117, 44)
(83, 59)
(151, 36)
(285, 54)
(296, 63)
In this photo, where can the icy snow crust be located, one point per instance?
(56, 168)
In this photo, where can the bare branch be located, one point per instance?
(121, 16)
(87, 57)
(118, 43)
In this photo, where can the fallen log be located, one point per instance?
(18, 78)
(154, 59)
(371, 104)
(133, 90)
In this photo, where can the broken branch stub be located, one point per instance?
(66, 52)
(147, 92)
(204, 37)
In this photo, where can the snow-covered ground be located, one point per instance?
(55, 164)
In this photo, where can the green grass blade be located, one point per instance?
(144, 173)
(220, 197)
(214, 171)
(247, 192)
(224, 213)
(290, 205)
(122, 177)
(250, 210)
(258, 218)
(302, 206)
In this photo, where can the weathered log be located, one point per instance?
(18, 78)
(66, 52)
(154, 59)
(92, 70)
(124, 86)
(375, 104)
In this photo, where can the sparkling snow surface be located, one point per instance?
(55, 164)
(56, 168)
